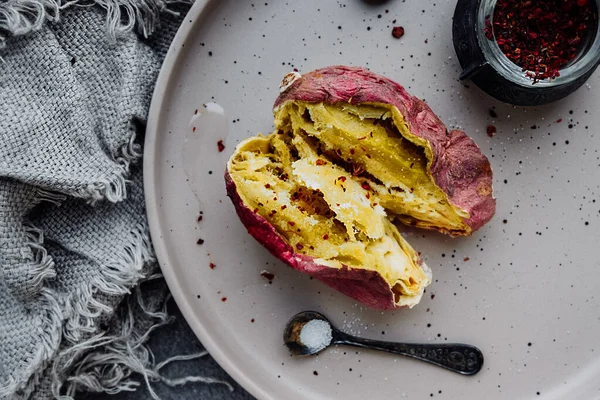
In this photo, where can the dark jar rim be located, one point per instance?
(588, 60)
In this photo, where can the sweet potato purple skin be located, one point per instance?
(365, 286)
(458, 166)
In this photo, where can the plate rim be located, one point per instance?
(149, 170)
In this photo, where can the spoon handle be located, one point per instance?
(461, 358)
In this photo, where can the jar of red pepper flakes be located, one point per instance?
(527, 52)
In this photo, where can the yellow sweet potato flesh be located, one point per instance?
(332, 178)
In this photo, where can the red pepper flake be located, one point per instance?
(200, 241)
(200, 217)
(362, 138)
(325, 236)
(220, 146)
(267, 186)
(432, 296)
(212, 265)
(283, 207)
(368, 195)
(321, 162)
(224, 299)
(397, 32)
(299, 246)
(194, 129)
(291, 223)
(267, 275)
(466, 259)
(541, 36)
(255, 210)
(357, 170)
(352, 151)
(196, 112)
(342, 178)
(252, 320)
(558, 121)
(365, 185)
(491, 130)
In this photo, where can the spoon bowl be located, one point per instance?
(293, 330)
(310, 332)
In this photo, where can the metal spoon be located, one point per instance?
(461, 358)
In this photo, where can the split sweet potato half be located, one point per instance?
(353, 154)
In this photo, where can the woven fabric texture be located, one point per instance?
(76, 83)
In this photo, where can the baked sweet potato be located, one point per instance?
(352, 153)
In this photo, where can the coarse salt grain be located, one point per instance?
(316, 335)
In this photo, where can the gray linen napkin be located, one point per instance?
(74, 241)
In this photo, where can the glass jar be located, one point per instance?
(484, 63)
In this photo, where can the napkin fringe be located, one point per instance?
(116, 279)
(131, 151)
(20, 17)
(110, 361)
(50, 340)
(37, 265)
(112, 188)
(42, 265)
(107, 362)
(81, 313)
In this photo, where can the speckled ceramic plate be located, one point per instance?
(523, 289)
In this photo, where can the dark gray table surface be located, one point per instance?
(177, 338)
